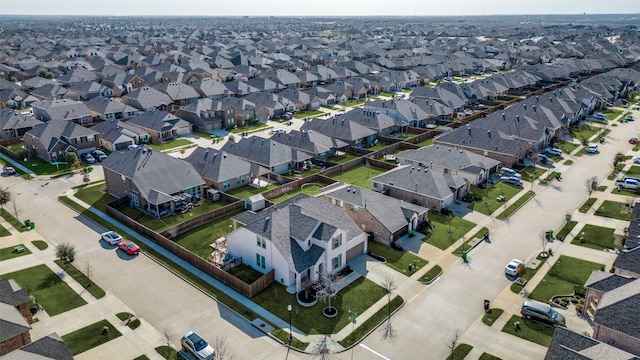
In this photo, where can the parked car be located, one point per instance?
(88, 158)
(516, 181)
(553, 151)
(285, 117)
(532, 309)
(111, 237)
(512, 267)
(129, 247)
(592, 149)
(505, 171)
(8, 170)
(633, 140)
(545, 159)
(278, 131)
(628, 118)
(99, 155)
(599, 116)
(636, 160)
(133, 146)
(627, 184)
(196, 346)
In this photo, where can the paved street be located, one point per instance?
(429, 319)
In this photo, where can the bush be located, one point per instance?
(66, 252)
(579, 290)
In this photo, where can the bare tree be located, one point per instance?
(328, 290)
(630, 202)
(167, 336)
(222, 349)
(389, 284)
(544, 239)
(453, 343)
(321, 349)
(88, 271)
(16, 209)
(590, 184)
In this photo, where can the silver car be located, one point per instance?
(532, 309)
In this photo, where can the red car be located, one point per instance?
(633, 141)
(129, 247)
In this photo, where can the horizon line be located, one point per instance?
(316, 16)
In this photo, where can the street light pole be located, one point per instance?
(289, 308)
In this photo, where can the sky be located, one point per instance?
(316, 8)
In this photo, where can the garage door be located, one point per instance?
(355, 252)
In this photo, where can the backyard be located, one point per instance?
(311, 189)
(566, 273)
(247, 191)
(359, 175)
(48, 289)
(199, 240)
(446, 230)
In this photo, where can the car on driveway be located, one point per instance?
(636, 160)
(532, 309)
(129, 247)
(112, 237)
(553, 151)
(88, 158)
(515, 181)
(544, 159)
(628, 118)
(285, 117)
(99, 155)
(599, 116)
(633, 140)
(512, 267)
(592, 149)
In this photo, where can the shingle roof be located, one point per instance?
(51, 132)
(420, 180)
(311, 142)
(449, 158)
(50, 346)
(338, 128)
(11, 293)
(569, 345)
(218, 166)
(11, 322)
(619, 309)
(13, 120)
(265, 152)
(482, 138)
(605, 281)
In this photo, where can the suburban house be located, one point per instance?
(52, 140)
(222, 171)
(381, 123)
(147, 98)
(117, 135)
(276, 157)
(201, 114)
(320, 146)
(421, 186)
(161, 125)
(613, 302)
(350, 132)
(50, 347)
(64, 109)
(472, 167)
(301, 239)
(154, 182)
(14, 329)
(15, 124)
(384, 218)
(107, 108)
(405, 112)
(567, 344)
(180, 94)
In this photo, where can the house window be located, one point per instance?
(337, 262)
(376, 185)
(226, 184)
(260, 262)
(354, 208)
(238, 179)
(91, 138)
(261, 242)
(337, 241)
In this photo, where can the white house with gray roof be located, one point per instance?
(300, 239)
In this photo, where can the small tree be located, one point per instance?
(16, 209)
(5, 197)
(66, 252)
(222, 348)
(71, 158)
(328, 290)
(453, 343)
(232, 138)
(167, 336)
(389, 284)
(590, 184)
(618, 158)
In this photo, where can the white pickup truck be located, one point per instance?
(628, 184)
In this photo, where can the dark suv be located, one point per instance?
(99, 155)
(88, 158)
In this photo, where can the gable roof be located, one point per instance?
(483, 139)
(311, 142)
(52, 131)
(619, 309)
(13, 120)
(265, 152)
(419, 180)
(569, 345)
(338, 128)
(11, 293)
(218, 166)
(449, 158)
(158, 120)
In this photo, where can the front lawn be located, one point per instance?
(584, 132)
(405, 262)
(446, 230)
(373, 321)
(436, 270)
(566, 229)
(460, 352)
(357, 296)
(587, 205)
(491, 317)
(528, 274)
(529, 330)
(487, 201)
(95, 196)
(40, 244)
(516, 205)
(198, 240)
(8, 217)
(566, 273)
(307, 113)
(170, 145)
(90, 337)
(81, 278)
(10, 252)
(4, 232)
(466, 245)
(359, 175)
(596, 237)
(48, 289)
(530, 173)
(487, 356)
(614, 210)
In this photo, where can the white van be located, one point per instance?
(507, 172)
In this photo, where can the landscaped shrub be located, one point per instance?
(579, 290)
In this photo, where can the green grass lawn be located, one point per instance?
(529, 330)
(40, 244)
(307, 113)
(374, 320)
(587, 205)
(491, 317)
(4, 232)
(341, 159)
(515, 206)
(9, 252)
(357, 296)
(465, 246)
(405, 262)
(487, 356)
(615, 210)
(124, 316)
(566, 229)
(531, 173)
(42, 167)
(489, 203)
(436, 270)
(460, 352)
(359, 175)
(311, 189)
(198, 240)
(95, 196)
(283, 335)
(566, 273)
(142, 357)
(584, 132)
(247, 191)
(245, 273)
(596, 237)
(528, 274)
(566, 146)
(633, 171)
(90, 337)
(81, 278)
(49, 290)
(168, 352)
(17, 224)
(425, 142)
(170, 145)
(444, 234)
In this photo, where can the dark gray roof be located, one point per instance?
(311, 142)
(146, 98)
(218, 166)
(629, 260)
(421, 180)
(11, 293)
(338, 128)
(158, 120)
(154, 172)
(606, 281)
(449, 158)
(105, 105)
(482, 138)
(13, 120)
(392, 213)
(50, 346)
(11, 322)
(265, 152)
(566, 344)
(619, 309)
(51, 132)
(63, 109)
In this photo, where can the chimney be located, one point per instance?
(489, 133)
